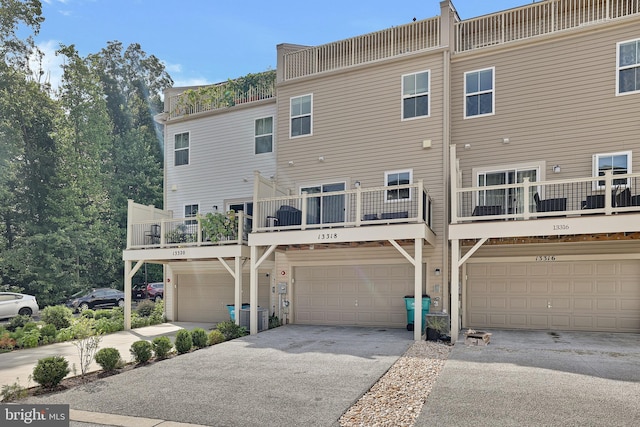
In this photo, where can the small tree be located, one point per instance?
(86, 342)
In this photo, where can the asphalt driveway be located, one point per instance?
(538, 378)
(289, 376)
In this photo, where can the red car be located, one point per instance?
(155, 291)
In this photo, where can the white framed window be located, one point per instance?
(507, 200)
(191, 211)
(181, 149)
(264, 135)
(415, 95)
(628, 67)
(479, 99)
(398, 179)
(301, 110)
(619, 163)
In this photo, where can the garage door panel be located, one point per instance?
(371, 295)
(581, 295)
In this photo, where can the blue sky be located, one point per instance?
(208, 41)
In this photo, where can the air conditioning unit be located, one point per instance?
(263, 318)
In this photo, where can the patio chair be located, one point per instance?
(550, 205)
(487, 210)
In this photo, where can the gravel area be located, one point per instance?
(397, 398)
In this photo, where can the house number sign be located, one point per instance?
(545, 258)
(179, 252)
(327, 236)
(557, 227)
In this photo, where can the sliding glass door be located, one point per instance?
(325, 209)
(510, 199)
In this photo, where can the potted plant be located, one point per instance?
(217, 226)
(437, 326)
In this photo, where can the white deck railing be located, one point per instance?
(540, 18)
(395, 41)
(184, 232)
(372, 206)
(606, 195)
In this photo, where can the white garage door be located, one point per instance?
(204, 297)
(589, 296)
(352, 295)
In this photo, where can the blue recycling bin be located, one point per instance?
(410, 303)
(232, 310)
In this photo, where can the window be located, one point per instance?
(478, 92)
(510, 200)
(619, 163)
(415, 95)
(396, 179)
(190, 211)
(628, 67)
(181, 149)
(264, 135)
(301, 115)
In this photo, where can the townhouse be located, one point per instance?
(486, 162)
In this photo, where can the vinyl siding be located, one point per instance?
(221, 156)
(555, 100)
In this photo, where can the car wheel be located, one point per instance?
(120, 303)
(158, 298)
(25, 311)
(84, 306)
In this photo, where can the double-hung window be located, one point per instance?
(398, 179)
(301, 123)
(628, 67)
(478, 92)
(181, 149)
(619, 163)
(191, 211)
(264, 135)
(415, 95)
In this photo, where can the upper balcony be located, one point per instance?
(337, 216)
(392, 42)
(248, 89)
(538, 19)
(590, 205)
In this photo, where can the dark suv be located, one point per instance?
(97, 298)
(155, 291)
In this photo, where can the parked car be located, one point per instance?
(97, 298)
(139, 291)
(13, 304)
(155, 291)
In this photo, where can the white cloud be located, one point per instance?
(51, 64)
(172, 68)
(194, 81)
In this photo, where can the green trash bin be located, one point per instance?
(410, 303)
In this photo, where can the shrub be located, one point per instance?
(215, 337)
(183, 341)
(18, 322)
(106, 325)
(13, 392)
(57, 315)
(50, 371)
(102, 314)
(109, 359)
(157, 316)
(138, 322)
(199, 337)
(161, 347)
(231, 331)
(65, 334)
(141, 351)
(29, 339)
(145, 308)
(88, 313)
(6, 342)
(48, 330)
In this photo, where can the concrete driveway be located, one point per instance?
(293, 375)
(537, 378)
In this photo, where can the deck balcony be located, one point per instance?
(589, 205)
(341, 216)
(538, 19)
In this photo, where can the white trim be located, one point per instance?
(403, 96)
(332, 182)
(618, 68)
(492, 91)
(538, 166)
(184, 212)
(291, 117)
(386, 184)
(181, 149)
(596, 170)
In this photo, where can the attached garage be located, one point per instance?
(204, 297)
(365, 295)
(579, 295)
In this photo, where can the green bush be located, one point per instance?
(145, 308)
(102, 314)
(18, 322)
(199, 337)
(88, 313)
(48, 330)
(106, 325)
(65, 334)
(50, 371)
(57, 315)
(157, 316)
(109, 359)
(183, 341)
(141, 351)
(138, 322)
(161, 347)
(13, 392)
(29, 338)
(231, 331)
(215, 337)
